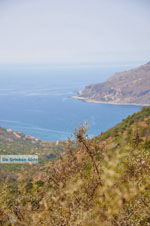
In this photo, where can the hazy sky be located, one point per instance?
(74, 31)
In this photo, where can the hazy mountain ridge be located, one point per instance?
(129, 87)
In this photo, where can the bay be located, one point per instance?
(37, 100)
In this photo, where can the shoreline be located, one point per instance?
(105, 102)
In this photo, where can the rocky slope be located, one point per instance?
(129, 87)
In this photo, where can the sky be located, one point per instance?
(74, 31)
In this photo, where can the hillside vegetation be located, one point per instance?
(129, 87)
(17, 143)
(99, 181)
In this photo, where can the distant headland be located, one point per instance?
(125, 88)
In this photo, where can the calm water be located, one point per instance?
(37, 101)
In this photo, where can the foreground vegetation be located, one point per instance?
(99, 181)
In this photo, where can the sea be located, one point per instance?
(37, 100)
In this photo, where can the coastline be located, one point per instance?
(105, 102)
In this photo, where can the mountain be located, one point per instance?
(129, 87)
(99, 181)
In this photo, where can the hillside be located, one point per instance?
(17, 143)
(99, 181)
(129, 87)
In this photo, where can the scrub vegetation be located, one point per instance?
(99, 181)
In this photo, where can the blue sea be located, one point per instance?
(37, 100)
